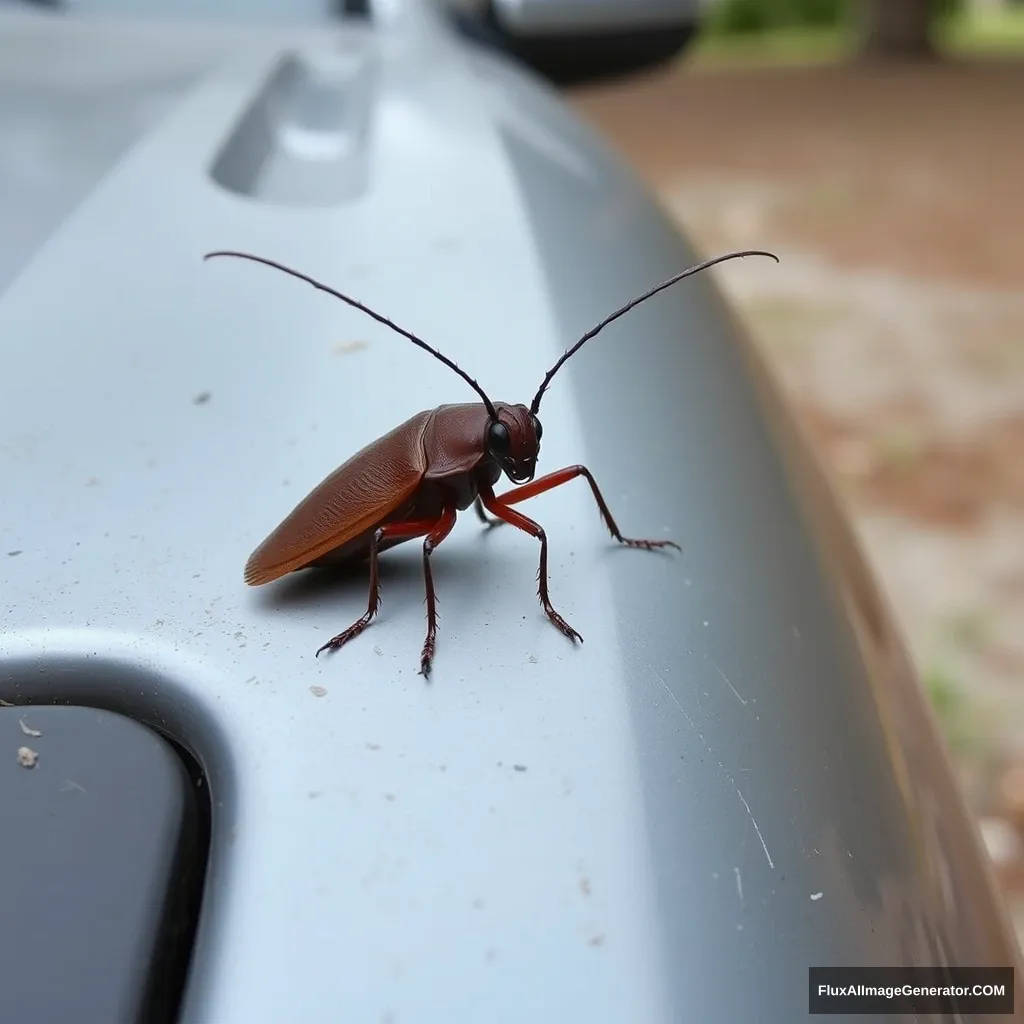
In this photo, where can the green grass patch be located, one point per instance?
(969, 630)
(789, 325)
(951, 708)
(964, 35)
(898, 449)
(786, 46)
(997, 33)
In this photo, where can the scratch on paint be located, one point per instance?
(764, 845)
(739, 884)
(726, 680)
(707, 747)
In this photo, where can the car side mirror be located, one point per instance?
(571, 42)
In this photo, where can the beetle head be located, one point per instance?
(513, 441)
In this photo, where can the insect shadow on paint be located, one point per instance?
(413, 481)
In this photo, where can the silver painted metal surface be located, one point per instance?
(669, 823)
(246, 11)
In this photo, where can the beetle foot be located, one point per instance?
(648, 545)
(563, 627)
(426, 659)
(349, 634)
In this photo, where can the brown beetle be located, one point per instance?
(414, 480)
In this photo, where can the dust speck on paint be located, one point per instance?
(27, 757)
(202, 398)
(343, 348)
(318, 691)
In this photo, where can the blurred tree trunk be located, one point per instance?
(895, 29)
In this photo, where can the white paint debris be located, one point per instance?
(27, 730)
(27, 757)
(816, 895)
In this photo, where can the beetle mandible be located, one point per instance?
(414, 480)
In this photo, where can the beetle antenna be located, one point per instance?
(628, 306)
(376, 316)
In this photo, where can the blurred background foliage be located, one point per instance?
(770, 31)
(750, 17)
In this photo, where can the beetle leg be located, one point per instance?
(496, 507)
(478, 507)
(408, 529)
(563, 476)
(438, 534)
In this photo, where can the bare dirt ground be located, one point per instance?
(896, 324)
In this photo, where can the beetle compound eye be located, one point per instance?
(537, 428)
(498, 439)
